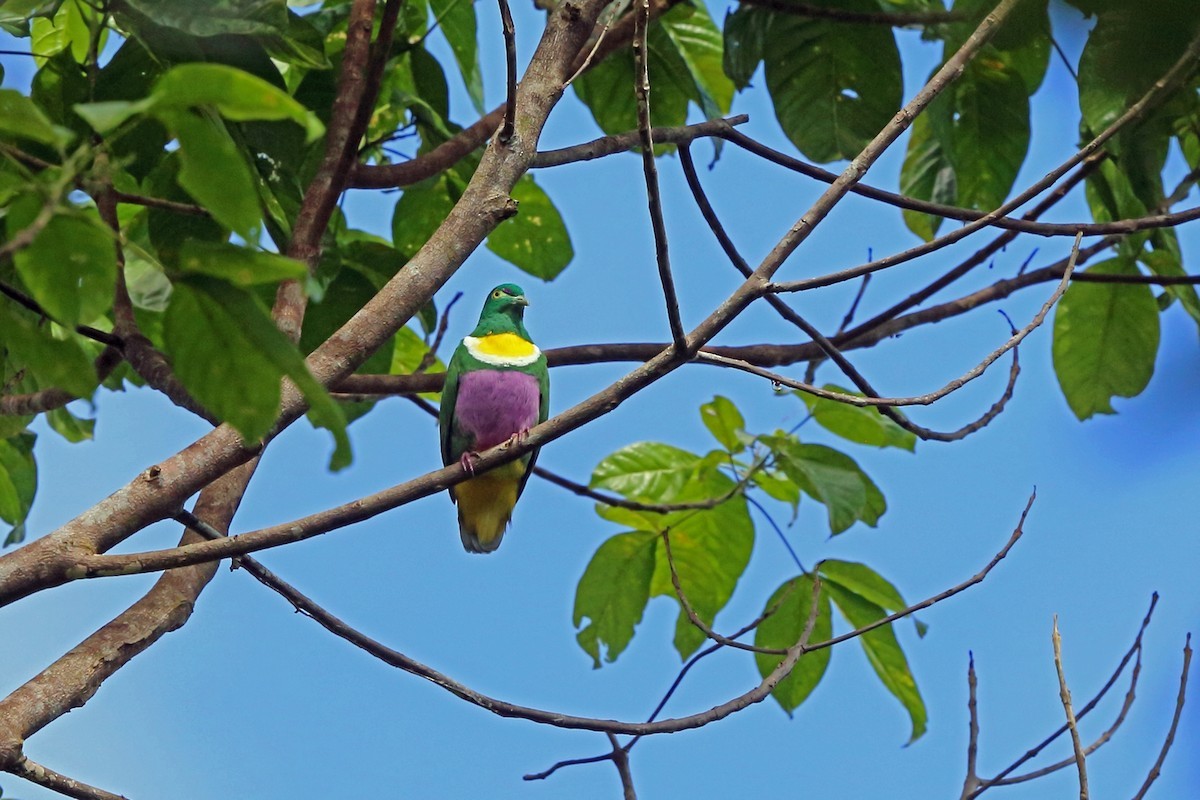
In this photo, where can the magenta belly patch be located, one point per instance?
(492, 405)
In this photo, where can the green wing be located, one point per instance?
(446, 412)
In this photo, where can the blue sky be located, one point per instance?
(251, 700)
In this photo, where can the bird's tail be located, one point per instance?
(485, 506)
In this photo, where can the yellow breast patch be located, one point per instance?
(507, 349)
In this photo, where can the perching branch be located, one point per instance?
(57, 782)
(510, 60)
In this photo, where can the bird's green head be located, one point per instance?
(503, 311)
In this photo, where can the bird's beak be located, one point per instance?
(521, 300)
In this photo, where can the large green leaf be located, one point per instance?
(613, 592)
(71, 266)
(832, 478)
(862, 424)
(418, 214)
(18, 483)
(214, 173)
(724, 422)
(61, 363)
(238, 265)
(1105, 340)
(536, 239)
(867, 584)
(782, 629)
(710, 546)
(1168, 263)
(834, 86)
(72, 428)
(650, 471)
(884, 653)
(927, 174)
(215, 17)
(457, 22)
(233, 357)
(700, 45)
(745, 36)
(607, 88)
(67, 30)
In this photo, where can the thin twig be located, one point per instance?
(972, 779)
(1170, 740)
(1134, 649)
(623, 142)
(1064, 694)
(443, 325)
(510, 58)
(641, 60)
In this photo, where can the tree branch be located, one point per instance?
(1179, 700)
(48, 778)
(1065, 695)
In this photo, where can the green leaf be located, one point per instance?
(649, 471)
(613, 592)
(72, 428)
(218, 363)
(418, 214)
(701, 46)
(927, 174)
(724, 421)
(745, 39)
(832, 478)
(66, 30)
(607, 88)
(1105, 340)
(302, 45)
(457, 22)
(985, 133)
(18, 482)
(20, 118)
(536, 239)
(213, 171)
(884, 653)
(777, 486)
(71, 266)
(862, 424)
(792, 603)
(867, 584)
(238, 265)
(245, 311)
(236, 94)
(61, 363)
(1167, 263)
(215, 17)
(834, 86)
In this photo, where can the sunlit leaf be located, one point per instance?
(613, 592)
(884, 653)
(238, 265)
(862, 424)
(792, 605)
(536, 239)
(724, 421)
(1105, 340)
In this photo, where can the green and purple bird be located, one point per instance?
(497, 388)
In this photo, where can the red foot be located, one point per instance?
(468, 461)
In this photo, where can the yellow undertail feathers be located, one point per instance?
(485, 505)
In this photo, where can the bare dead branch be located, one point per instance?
(972, 779)
(1170, 740)
(48, 778)
(1064, 694)
(1134, 649)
